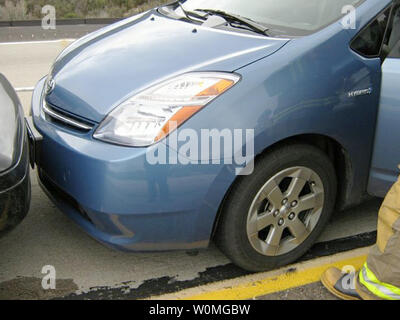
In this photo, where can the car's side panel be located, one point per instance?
(386, 157)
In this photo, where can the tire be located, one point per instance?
(244, 211)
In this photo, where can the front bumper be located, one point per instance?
(121, 200)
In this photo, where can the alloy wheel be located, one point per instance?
(285, 211)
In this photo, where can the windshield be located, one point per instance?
(288, 15)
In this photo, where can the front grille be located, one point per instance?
(62, 118)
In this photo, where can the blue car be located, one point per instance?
(243, 122)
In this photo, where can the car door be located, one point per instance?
(386, 154)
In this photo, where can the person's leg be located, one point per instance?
(380, 276)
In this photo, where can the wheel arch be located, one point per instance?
(332, 148)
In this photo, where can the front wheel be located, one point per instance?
(272, 217)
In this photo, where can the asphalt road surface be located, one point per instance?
(85, 268)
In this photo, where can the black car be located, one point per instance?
(15, 186)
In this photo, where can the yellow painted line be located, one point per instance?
(253, 286)
(276, 284)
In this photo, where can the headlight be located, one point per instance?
(153, 114)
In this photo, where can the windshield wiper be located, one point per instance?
(169, 10)
(188, 13)
(255, 26)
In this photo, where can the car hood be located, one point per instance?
(98, 72)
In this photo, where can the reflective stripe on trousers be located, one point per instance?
(379, 289)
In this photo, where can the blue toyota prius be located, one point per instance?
(243, 122)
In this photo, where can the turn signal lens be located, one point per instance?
(217, 89)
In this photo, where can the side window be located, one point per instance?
(368, 43)
(393, 33)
